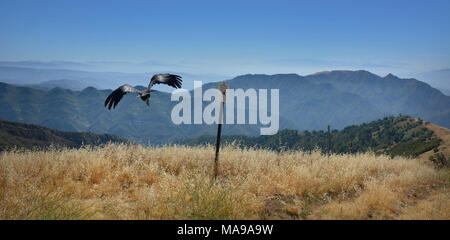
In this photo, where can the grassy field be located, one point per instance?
(136, 182)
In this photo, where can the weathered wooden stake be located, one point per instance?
(329, 141)
(219, 131)
(222, 87)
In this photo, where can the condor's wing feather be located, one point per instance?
(168, 79)
(114, 98)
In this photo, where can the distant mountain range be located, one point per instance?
(30, 136)
(33, 76)
(343, 98)
(62, 83)
(336, 98)
(38, 73)
(392, 95)
(439, 79)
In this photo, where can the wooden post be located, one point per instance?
(329, 141)
(222, 88)
(219, 132)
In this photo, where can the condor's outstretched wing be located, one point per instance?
(114, 98)
(168, 79)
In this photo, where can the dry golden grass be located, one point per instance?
(136, 182)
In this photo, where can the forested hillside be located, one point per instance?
(28, 136)
(400, 135)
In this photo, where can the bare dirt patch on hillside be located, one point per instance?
(442, 133)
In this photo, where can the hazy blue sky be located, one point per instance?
(231, 37)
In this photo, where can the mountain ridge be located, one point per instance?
(394, 136)
(30, 136)
(336, 98)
